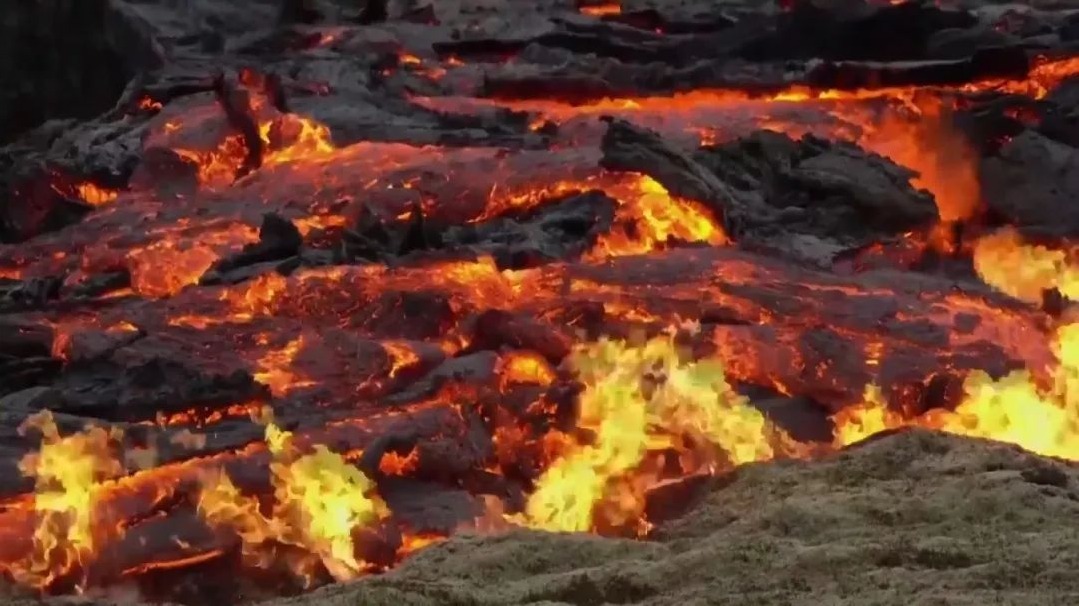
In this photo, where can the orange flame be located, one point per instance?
(1012, 409)
(69, 472)
(319, 500)
(1022, 270)
(639, 401)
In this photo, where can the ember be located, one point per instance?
(313, 292)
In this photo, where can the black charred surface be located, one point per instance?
(108, 391)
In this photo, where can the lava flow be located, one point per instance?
(307, 300)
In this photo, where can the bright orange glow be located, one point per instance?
(185, 266)
(148, 104)
(401, 355)
(524, 367)
(394, 464)
(166, 266)
(1044, 77)
(305, 139)
(275, 369)
(199, 418)
(94, 195)
(658, 217)
(286, 138)
(599, 10)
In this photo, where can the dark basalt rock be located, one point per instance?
(807, 199)
(64, 59)
(105, 390)
(1035, 183)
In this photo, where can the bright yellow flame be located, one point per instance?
(1013, 409)
(657, 216)
(69, 472)
(640, 400)
(1023, 270)
(319, 500)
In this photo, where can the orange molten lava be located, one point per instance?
(520, 367)
(276, 372)
(599, 10)
(95, 195)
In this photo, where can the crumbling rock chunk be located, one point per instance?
(1034, 182)
(808, 199)
(97, 285)
(817, 186)
(278, 239)
(627, 147)
(496, 329)
(30, 204)
(1059, 113)
(554, 231)
(981, 64)
(28, 294)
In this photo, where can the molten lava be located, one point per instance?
(448, 372)
(1025, 271)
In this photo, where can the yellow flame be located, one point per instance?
(1013, 409)
(68, 473)
(1005, 262)
(319, 500)
(640, 400)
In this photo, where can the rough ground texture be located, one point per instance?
(911, 518)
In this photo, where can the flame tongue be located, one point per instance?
(69, 472)
(1014, 408)
(320, 500)
(641, 400)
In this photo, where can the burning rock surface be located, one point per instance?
(332, 283)
(868, 525)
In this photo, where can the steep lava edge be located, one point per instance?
(578, 424)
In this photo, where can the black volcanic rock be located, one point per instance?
(1034, 182)
(808, 198)
(62, 59)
